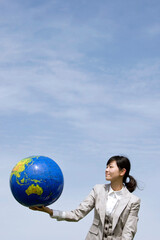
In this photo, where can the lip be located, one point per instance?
(107, 175)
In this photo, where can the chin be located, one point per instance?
(108, 179)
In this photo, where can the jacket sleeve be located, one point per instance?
(130, 227)
(81, 211)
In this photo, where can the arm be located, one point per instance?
(75, 215)
(83, 209)
(130, 227)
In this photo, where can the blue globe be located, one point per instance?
(36, 181)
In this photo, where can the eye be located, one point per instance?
(111, 166)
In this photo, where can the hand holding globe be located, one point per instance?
(43, 209)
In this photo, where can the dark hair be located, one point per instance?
(123, 162)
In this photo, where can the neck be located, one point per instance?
(117, 186)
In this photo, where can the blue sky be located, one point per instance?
(79, 82)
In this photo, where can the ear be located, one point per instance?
(123, 171)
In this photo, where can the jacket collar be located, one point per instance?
(120, 207)
(103, 198)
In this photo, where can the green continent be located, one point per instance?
(20, 167)
(32, 189)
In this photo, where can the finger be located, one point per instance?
(39, 208)
(35, 208)
(32, 208)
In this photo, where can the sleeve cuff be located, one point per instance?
(59, 215)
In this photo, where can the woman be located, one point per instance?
(115, 207)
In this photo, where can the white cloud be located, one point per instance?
(32, 87)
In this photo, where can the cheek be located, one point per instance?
(114, 172)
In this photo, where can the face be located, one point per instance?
(113, 172)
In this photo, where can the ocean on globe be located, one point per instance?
(36, 181)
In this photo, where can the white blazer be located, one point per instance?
(125, 217)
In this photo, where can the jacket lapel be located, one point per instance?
(102, 205)
(121, 205)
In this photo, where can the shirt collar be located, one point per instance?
(118, 194)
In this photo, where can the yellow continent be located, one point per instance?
(20, 167)
(34, 189)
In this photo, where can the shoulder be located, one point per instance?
(99, 191)
(101, 187)
(133, 198)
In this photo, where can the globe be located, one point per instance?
(36, 181)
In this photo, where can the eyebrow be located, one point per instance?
(108, 164)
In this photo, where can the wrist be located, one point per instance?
(51, 212)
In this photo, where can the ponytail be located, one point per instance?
(131, 184)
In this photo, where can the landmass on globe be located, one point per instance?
(34, 190)
(18, 169)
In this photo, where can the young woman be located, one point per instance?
(115, 207)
